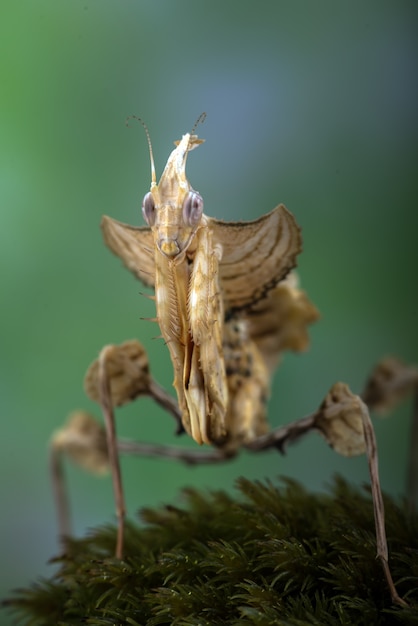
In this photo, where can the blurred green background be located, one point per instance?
(310, 104)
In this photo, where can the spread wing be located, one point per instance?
(135, 246)
(257, 255)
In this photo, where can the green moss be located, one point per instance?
(272, 556)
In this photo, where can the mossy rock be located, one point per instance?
(275, 555)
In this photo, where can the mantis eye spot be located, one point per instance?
(192, 208)
(148, 209)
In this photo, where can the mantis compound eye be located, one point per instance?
(192, 208)
(148, 209)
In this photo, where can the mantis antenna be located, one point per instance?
(199, 120)
(151, 156)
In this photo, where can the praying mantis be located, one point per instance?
(228, 305)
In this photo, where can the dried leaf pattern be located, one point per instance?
(206, 271)
(279, 322)
(339, 420)
(127, 370)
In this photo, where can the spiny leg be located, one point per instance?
(378, 507)
(337, 419)
(109, 418)
(189, 457)
(280, 437)
(390, 381)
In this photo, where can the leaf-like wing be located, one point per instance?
(256, 255)
(135, 246)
